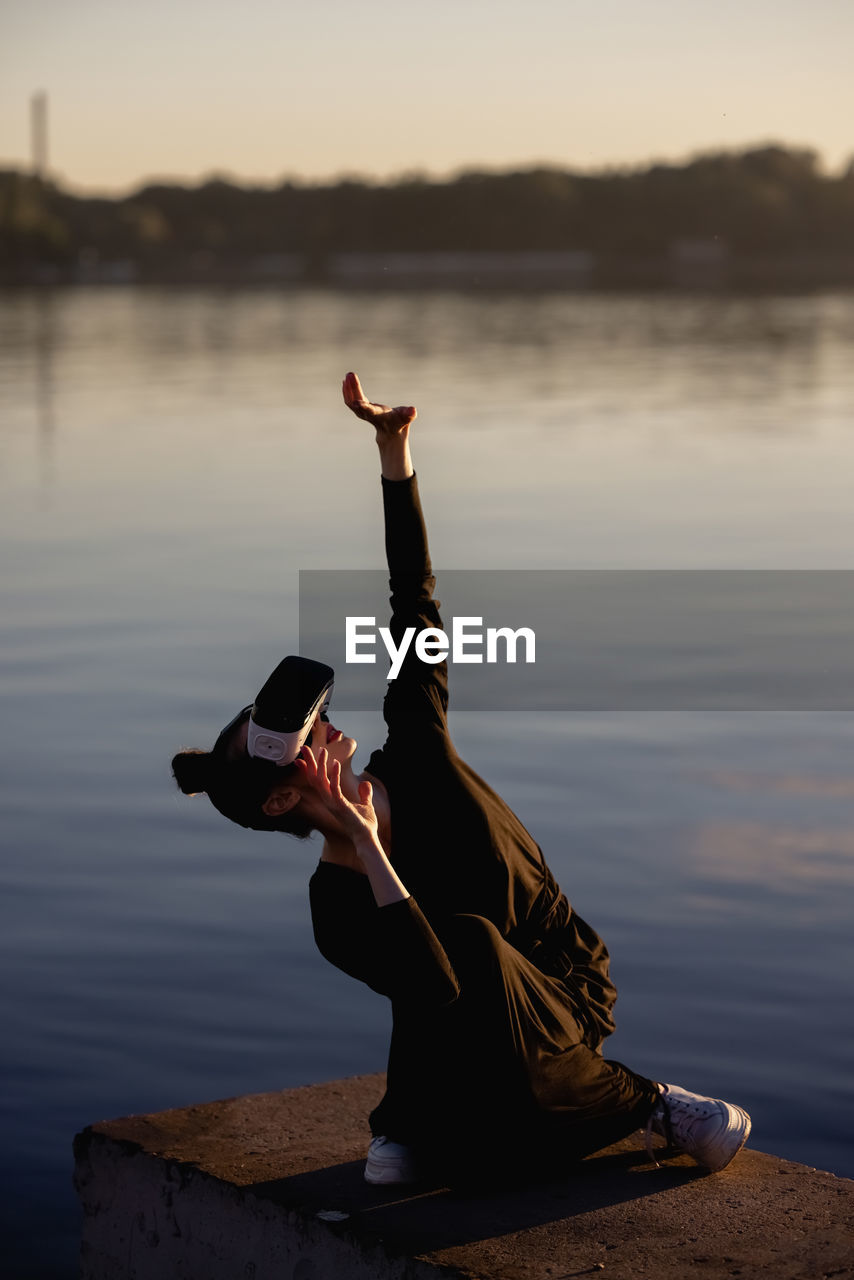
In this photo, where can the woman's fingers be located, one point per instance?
(354, 396)
(353, 388)
(386, 420)
(313, 770)
(325, 778)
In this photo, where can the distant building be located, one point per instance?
(699, 261)
(467, 269)
(277, 267)
(91, 268)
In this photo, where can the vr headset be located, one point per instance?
(282, 714)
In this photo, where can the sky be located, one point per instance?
(259, 90)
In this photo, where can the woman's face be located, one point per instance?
(323, 734)
(338, 747)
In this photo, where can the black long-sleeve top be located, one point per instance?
(457, 847)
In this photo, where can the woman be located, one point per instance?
(431, 891)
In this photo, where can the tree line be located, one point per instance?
(770, 201)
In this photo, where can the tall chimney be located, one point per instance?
(38, 133)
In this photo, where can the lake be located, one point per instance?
(173, 459)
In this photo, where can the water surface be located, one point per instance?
(170, 460)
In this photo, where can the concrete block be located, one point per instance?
(270, 1187)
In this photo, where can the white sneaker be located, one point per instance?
(389, 1162)
(708, 1129)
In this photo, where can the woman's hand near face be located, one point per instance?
(390, 424)
(357, 820)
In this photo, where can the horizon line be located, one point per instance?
(419, 174)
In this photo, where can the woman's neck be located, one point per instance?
(339, 849)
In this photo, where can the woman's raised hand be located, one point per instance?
(386, 421)
(357, 819)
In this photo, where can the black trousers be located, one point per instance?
(509, 1073)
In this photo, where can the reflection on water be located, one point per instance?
(757, 854)
(171, 460)
(804, 785)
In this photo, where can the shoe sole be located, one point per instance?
(742, 1134)
(385, 1175)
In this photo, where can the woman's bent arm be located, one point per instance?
(388, 944)
(384, 881)
(392, 949)
(355, 821)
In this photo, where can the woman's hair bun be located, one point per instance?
(192, 770)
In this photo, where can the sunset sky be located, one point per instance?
(267, 88)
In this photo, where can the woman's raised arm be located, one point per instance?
(417, 697)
